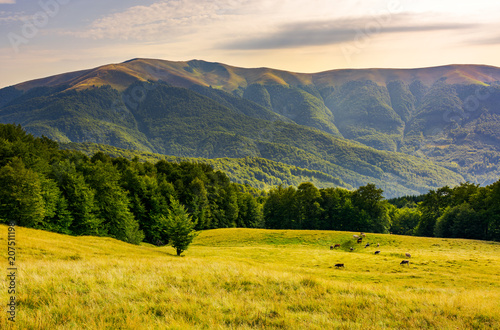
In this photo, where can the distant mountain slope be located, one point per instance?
(257, 172)
(448, 117)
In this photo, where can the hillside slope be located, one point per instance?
(445, 116)
(257, 172)
(179, 122)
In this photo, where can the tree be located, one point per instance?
(279, 209)
(21, 199)
(460, 221)
(432, 208)
(405, 220)
(80, 199)
(463, 193)
(250, 212)
(180, 227)
(112, 203)
(309, 209)
(373, 209)
(487, 203)
(337, 209)
(198, 203)
(57, 216)
(147, 202)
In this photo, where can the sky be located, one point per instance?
(39, 38)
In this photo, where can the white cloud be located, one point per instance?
(162, 19)
(212, 19)
(9, 17)
(7, 2)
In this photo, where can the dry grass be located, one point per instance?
(246, 279)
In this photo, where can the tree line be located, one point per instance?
(68, 192)
(465, 211)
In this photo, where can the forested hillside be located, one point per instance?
(65, 191)
(259, 173)
(158, 117)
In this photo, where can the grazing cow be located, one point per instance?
(336, 246)
(351, 248)
(367, 245)
(360, 240)
(363, 234)
(339, 265)
(408, 255)
(355, 236)
(405, 262)
(159, 243)
(378, 244)
(377, 252)
(331, 247)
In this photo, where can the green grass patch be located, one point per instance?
(251, 278)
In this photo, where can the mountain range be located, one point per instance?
(406, 130)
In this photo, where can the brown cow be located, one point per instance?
(336, 246)
(360, 240)
(405, 262)
(408, 255)
(339, 265)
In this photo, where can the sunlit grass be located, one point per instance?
(243, 278)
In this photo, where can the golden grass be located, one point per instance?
(247, 279)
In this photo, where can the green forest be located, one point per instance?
(66, 191)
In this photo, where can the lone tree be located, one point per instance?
(180, 227)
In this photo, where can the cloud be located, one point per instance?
(482, 41)
(319, 33)
(161, 19)
(9, 17)
(7, 2)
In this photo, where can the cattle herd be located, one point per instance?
(359, 239)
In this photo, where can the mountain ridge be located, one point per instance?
(130, 67)
(356, 124)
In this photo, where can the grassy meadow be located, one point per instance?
(250, 278)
